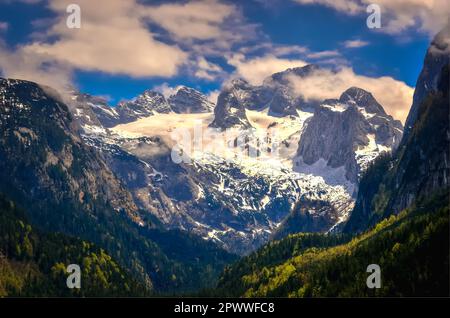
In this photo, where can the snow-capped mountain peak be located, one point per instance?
(188, 100)
(350, 131)
(146, 104)
(362, 98)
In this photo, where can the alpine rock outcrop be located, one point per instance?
(420, 167)
(348, 132)
(188, 100)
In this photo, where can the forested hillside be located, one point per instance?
(411, 248)
(34, 264)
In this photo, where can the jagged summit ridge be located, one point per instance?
(362, 98)
(274, 94)
(350, 132)
(188, 100)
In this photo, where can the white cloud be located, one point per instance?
(113, 39)
(355, 43)
(255, 70)
(207, 70)
(274, 49)
(444, 43)
(349, 6)
(323, 54)
(166, 89)
(397, 16)
(204, 27)
(395, 96)
(213, 95)
(428, 15)
(192, 20)
(20, 64)
(4, 26)
(116, 38)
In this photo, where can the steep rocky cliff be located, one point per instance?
(67, 186)
(420, 166)
(188, 100)
(437, 56)
(343, 130)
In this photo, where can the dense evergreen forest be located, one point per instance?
(34, 264)
(412, 249)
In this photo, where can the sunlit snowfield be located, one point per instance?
(317, 181)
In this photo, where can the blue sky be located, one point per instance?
(163, 44)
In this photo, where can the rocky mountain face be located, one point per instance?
(438, 55)
(337, 143)
(282, 78)
(280, 83)
(231, 203)
(67, 186)
(241, 203)
(343, 132)
(220, 201)
(42, 152)
(307, 216)
(146, 104)
(230, 109)
(188, 100)
(419, 168)
(423, 161)
(275, 94)
(94, 112)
